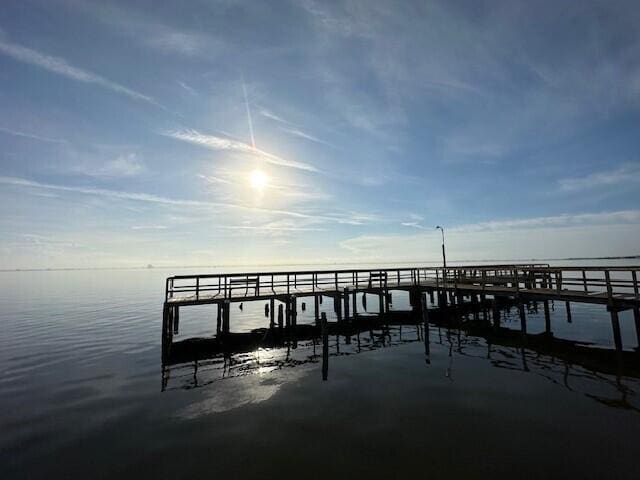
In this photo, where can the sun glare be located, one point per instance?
(258, 179)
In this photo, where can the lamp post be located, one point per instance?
(444, 256)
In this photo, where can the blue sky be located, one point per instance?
(127, 138)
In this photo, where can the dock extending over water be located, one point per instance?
(479, 286)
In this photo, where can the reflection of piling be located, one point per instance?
(547, 318)
(325, 346)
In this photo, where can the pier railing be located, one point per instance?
(257, 284)
(606, 281)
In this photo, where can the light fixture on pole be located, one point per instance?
(444, 256)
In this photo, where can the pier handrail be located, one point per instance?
(610, 280)
(226, 283)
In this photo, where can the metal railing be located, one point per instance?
(257, 284)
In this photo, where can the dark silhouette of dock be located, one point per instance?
(477, 287)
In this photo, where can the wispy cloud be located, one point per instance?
(61, 67)
(152, 34)
(294, 191)
(149, 227)
(215, 179)
(146, 197)
(32, 136)
(214, 142)
(569, 234)
(272, 116)
(123, 166)
(273, 228)
(290, 128)
(554, 221)
(414, 225)
(624, 174)
(300, 134)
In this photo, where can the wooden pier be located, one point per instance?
(617, 288)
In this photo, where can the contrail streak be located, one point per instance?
(246, 104)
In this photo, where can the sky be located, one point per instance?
(219, 132)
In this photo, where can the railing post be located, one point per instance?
(609, 287)
(584, 281)
(336, 280)
(558, 280)
(288, 284)
(197, 288)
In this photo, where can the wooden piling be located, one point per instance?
(294, 310)
(523, 320)
(636, 321)
(496, 314)
(346, 304)
(355, 305)
(280, 316)
(176, 320)
(615, 325)
(272, 312)
(225, 316)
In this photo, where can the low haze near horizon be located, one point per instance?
(236, 132)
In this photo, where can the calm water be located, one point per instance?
(81, 395)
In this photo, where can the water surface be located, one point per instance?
(82, 393)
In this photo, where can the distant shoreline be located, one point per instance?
(165, 267)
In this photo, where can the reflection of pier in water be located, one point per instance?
(466, 329)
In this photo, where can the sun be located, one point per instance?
(258, 179)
